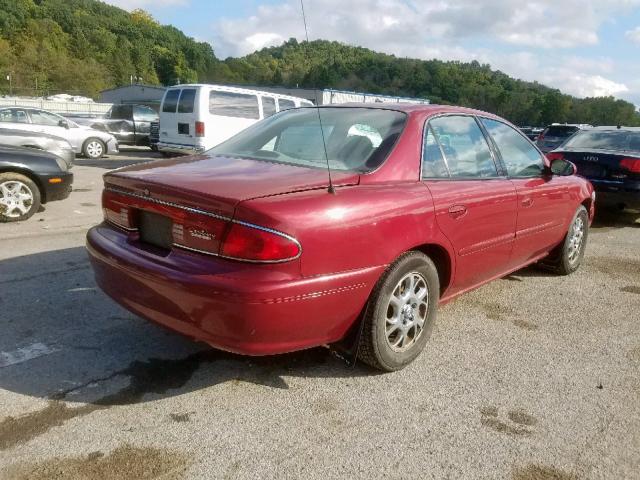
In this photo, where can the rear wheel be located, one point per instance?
(568, 256)
(401, 313)
(93, 148)
(19, 197)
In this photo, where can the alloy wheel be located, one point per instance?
(16, 198)
(407, 312)
(576, 240)
(94, 149)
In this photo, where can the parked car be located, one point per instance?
(29, 178)
(85, 140)
(246, 247)
(532, 133)
(610, 158)
(10, 137)
(554, 135)
(129, 124)
(194, 118)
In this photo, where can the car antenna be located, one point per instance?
(315, 91)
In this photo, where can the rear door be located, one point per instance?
(168, 117)
(543, 199)
(475, 205)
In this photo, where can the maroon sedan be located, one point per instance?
(249, 248)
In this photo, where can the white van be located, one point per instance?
(195, 118)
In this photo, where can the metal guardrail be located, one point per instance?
(56, 107)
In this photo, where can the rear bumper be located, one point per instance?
(242, 308)
(59, 190)
(179, 148)
(619, 195)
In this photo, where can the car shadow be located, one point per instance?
(607, 219)
(63, 339)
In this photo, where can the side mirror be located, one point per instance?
(63, 123)
(562, 167)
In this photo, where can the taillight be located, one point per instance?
(631, 164)
(199, 129)
(245, 242)
(117, 211)
(551, 156)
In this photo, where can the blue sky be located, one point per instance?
(583, 47)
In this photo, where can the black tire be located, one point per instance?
(375, 347)
(9, 211)
(93, 148)
(566, 259)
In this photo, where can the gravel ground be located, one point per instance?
(530, 377)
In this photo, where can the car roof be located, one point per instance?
(616, 128)
(429, 109)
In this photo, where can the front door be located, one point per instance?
(475, 207)
(543, 200)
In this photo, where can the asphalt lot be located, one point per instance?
(530, 377)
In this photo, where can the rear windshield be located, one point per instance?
(561, 131)
(620, 140)
(231, 104)
(356, 139)
(188, 96)
(171, 101)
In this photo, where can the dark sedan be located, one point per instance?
(610, 158)
(29, 178)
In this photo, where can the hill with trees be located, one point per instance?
(85, 46)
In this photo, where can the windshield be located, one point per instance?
(356, 139)
(621, 140)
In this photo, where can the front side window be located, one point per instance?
(268, 106)
(40, 117)
(433, 165)
(519, 156)
(464, 146)
(13, 115)
(171, 101)
(144, 114)
(230, 104)
(356, 139)
(187, 99)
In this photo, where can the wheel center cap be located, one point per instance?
(407, 312)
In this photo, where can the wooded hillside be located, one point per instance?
(85, 46)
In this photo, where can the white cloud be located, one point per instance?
(448, 30)
(634, 35)
(145, 4)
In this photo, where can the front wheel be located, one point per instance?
(19, 197)
(568, 256)
(93, 148)
(401, 313)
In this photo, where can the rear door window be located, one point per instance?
(285, 104)
(171, 101)
(519, 156)
(13, 115)
(187, 99)
(231, 104)
(433, 165)
(268, 106)
(464, 146)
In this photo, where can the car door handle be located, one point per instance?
(527, 202)
(457, 211)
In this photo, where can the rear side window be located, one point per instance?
(465, 149)
(187, 99)
(268, 106)
(433, 165)
(519, 156)
(171, 101)
(238, 105)
(285, 104)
